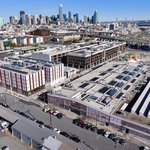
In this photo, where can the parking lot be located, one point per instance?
(89, 138)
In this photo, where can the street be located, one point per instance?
(95, 141)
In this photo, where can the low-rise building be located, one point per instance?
(54, 72)
(26, 81)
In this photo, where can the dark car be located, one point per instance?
(112, 136)
(115, 139)
(122, 141)
(5, 105)
(39, 122)
(33, 119)
(100, 131)
(59, 115)
(49, 127)
(65, 134)
(76, 121)
(81, 124)
(22, 114)
(94, 129)
(76, 139)
(87, 126)
(16, 111)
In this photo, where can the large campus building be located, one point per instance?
(101, 94)
(82, 55)
(94, 55)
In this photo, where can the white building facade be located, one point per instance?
(22, 80)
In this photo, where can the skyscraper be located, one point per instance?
(1, 22)
(95, 17)
(69, 17)
(61, 14)
(76, 18)
(22, 15)
(12, 20)
(85, 19)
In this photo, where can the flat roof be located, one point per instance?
(96, 85)
(19, 69)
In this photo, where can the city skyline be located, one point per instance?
(108, 10)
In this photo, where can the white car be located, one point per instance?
(56, 130)
(146, 148)
(107, 133)
(55, 113)
(46, 109)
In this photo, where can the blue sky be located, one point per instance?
(108, 9)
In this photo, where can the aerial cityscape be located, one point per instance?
(75, 75)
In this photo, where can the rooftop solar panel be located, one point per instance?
(132, 73)
(136, 69)
(115, 66)
(102, 74)
(125, 72)
(127, 87)
(93, 97)
(111, 92)
(119, 95)
(120, 84)
(138, 75)
(104, 90)
(109, 69)
(119, 77)
(126, 78)
(133, 80)
(94, 79)
(112, 82)
(84, 85)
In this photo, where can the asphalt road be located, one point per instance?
(95, 141)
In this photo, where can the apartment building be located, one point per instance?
(54, 72)
(22, 80)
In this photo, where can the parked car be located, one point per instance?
(49, 127)
(116, 139)
(65, 134)
(59, 115)
(41, 125)
(47, 109)
(55, 112)
(5, 147)
(144, 148)
(100, 131)
(76, 139)
(16, 111)
(94, 129)
(22, 114)
(33, 119)
(87, 126)
(56, 130)
(81, 124)
(76, 121)
(39, 122)
(106, 133)
(4, 105)
(112, 136)
(122, 141)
